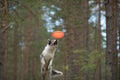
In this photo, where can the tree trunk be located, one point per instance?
(86, 36)
(98, 68)
(111, 50)
(35, 67)
(76, 36)
(27, 56)
(3, 41)
(15, 49)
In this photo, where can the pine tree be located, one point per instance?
(3, 39)
(111, 50)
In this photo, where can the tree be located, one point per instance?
(15, 50)
(98, 44)
(76, 24)
(86, 34)
(3, 37)
(111, 31)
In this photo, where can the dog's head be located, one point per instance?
(52, 42)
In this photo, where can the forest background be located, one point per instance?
(90, 49)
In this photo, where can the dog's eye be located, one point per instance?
(49, 42)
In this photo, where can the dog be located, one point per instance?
(46, 59)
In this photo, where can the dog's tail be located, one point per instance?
(56, 73)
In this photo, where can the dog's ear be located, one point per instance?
(55, 42)
(49, 41)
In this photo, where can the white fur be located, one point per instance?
(47, 54)
(47, 57)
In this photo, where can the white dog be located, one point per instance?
(47, 57)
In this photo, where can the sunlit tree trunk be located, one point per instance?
(111, 50)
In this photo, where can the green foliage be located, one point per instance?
(65, 67)
(27, 16)
(25, 24)
(89, 62)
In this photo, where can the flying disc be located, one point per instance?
(58, 34)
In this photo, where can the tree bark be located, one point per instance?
(86, 36)
(76, 36)
(27, 55)
(98, 68)
(3, 41)
(15, 49)
(111, 50)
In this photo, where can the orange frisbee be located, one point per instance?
(58, 34)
